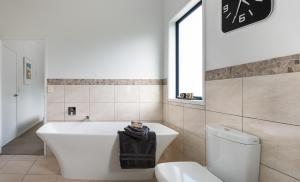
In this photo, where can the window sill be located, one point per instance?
(185, 101)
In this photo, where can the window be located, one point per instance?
(189, 63)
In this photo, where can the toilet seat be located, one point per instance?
(183, 172)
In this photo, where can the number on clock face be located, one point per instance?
(239, 13)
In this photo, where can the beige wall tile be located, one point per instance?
(178, 141)
(127, 111)
(280, 145)
(151, 111)
(11, 177)
(224, 96)
(102, 93)
(151, 93)
(165, 111)
(82, 111)
(194, 106)
(127, 93)
(194, 121)
(174, 151)
(102, 111)
(175, 103)
(56, 93)
(269, 175)
(274, 98)
(151, 121)
(55, 111)
(194, 148)
(77, 93)
(294, 180)
(231, 121)
(165, 94)
(171, 155)
(175, 115)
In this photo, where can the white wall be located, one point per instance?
(0, 96)
(91, 38)
(276, 36)
(172, 10)
(30, 102)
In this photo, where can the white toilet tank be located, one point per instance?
(232, 156)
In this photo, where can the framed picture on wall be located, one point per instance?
(27, 71)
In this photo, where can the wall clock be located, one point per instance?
(239, 13)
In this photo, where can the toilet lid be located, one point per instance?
(183, 172)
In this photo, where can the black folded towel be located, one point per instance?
(138, 133)
(137, 152)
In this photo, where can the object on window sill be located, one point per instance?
(183, 96)
(136, 124)
(188, 96)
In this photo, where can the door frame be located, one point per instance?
(45, 39)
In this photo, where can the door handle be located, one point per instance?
(16, 95)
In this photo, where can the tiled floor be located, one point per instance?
(30, 168)
(27, 144)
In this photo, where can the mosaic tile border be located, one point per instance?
(280, 65)
(105, 82)
(165, 81)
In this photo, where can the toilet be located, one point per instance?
(232, 156)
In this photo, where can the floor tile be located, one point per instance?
(2, 163)
(17, 167)
(25, 157)
(26, 144)
(40, 178)
(45, 166)
(6, 157)
(62, 179)
(11, 177)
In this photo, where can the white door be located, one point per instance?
(9, 95)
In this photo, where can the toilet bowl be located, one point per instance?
(183, 172)
(232, 156)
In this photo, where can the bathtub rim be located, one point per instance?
(43, 130)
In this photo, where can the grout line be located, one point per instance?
(114, 102)
(31, 167)
(278, 171)
(242, 104)
(64, 102)
(224, 113)
(23, 178)
(89, 103)
(139, 101)
(278, 122)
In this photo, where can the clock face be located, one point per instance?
(239, 13)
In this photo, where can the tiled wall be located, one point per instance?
(266, 105)
(105, 102)
(189, 121)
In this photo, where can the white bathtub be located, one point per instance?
(90, 150)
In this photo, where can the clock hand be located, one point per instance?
(237, 11)
(246, 2)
